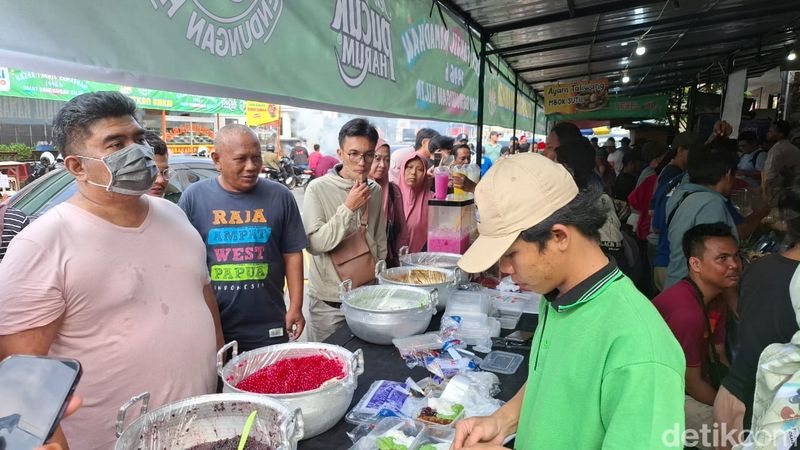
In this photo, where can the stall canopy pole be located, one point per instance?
(535, 111)
(516, 93)
(692, 105)
(164, 124)
(481, 78)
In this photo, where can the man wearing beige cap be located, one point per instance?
(604, 371)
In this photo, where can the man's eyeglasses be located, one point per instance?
(356, 157)
(166, 173)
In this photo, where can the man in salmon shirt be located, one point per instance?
(112, 277)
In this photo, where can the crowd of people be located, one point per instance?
(673, 229)
(651, 320)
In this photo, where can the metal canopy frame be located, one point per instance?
(548, 41)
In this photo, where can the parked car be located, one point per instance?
(59, 185)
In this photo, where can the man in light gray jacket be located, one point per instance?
(332, 210)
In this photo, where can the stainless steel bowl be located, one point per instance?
(440, 260)
(395, 275)
(322, 407)
(208, 418)
(379, 314)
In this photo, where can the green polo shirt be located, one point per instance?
(605, 372)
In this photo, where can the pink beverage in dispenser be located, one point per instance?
(447, 241)
(441, 179)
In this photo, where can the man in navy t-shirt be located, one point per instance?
(254, 239)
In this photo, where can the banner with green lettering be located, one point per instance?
(498, 99)
(541, 121)
(23, 83)
(642, 107)
(370, 56)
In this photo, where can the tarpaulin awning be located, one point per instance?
(385, 58)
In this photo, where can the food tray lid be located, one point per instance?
(502, 362)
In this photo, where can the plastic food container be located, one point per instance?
(478, 329)
(508, 320)
(502, 362)
(378, 314)
(526, 302)
(469, 302)
(419, 343)
(432, 424)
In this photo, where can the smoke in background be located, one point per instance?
(322, 127)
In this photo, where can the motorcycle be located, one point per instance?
(285, 175)
(303, 174)
(40, 169)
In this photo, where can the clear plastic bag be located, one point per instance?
(436, 438)
(439, 260)
(246, 364)
(384, 398)
(385, 298)
(429, 259)
(402, 434)
(474, 390)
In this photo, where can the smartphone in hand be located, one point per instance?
(34, 391)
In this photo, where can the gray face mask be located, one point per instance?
(133, 170)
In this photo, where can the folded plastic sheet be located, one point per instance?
(384, 298)
(255, 360)
(431, 259)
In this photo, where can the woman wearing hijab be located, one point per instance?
(392, 200)
(415, 190)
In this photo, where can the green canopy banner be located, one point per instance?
(391, 58)
(26, 84)
(541, 121)
(498, 100)
(642, 107)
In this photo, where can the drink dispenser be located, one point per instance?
(452, 225)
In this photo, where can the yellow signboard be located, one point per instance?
(576, 97)
(259, 113)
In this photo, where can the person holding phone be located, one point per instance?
(333, 210)
(112, 277)
(74, 404)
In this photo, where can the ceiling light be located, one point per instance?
(638, 11)
(624, 44)
(640, 49)
(791, 56)
(625, 78)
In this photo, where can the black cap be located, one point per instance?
(462, 137)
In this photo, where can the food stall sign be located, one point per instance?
(578, 96)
